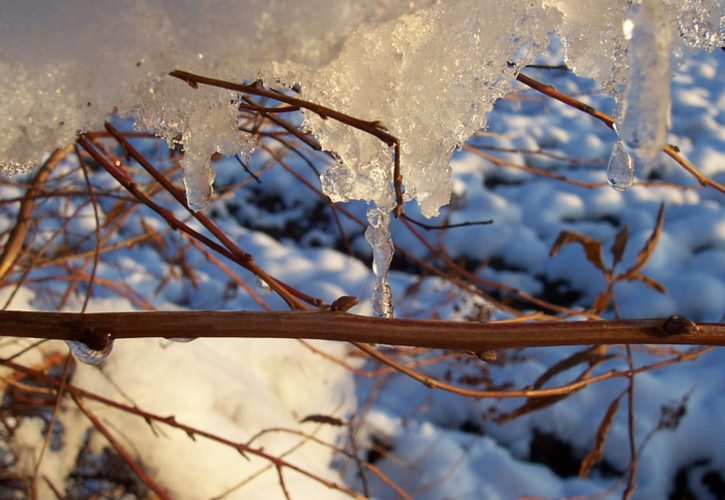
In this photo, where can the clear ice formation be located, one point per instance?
(89, 356)
(620, 169)
(645, 106)
(430, 70)
(378, 236)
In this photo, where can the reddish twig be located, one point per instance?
(669, 149)
(121, 450)
(374, 128)
(53, 419)
(78, 393)
(12, 246)
(243, 258)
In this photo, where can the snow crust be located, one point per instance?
(430, 71)
(236, 388)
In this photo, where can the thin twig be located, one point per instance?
(671, 150)
(632, 479)
(14, 242)
(433, 227)
(78, 393)
(374, 128)
(53, 419)
(121, 450)
(97, 248)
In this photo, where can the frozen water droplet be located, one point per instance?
(197, 195)
(378, 236)
(182, 340)
(700, 26)
(198, 178)
(263, 287)
(85, 354)
(620, 169)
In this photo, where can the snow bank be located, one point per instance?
(428, 71)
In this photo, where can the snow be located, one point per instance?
(418, 67)
(430, 71)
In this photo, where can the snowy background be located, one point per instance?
(430, 443)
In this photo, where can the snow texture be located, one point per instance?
(431, 72)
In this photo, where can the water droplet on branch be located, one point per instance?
(620, 169)
(85, 354)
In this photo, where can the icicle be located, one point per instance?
(620, 169)
(378, 236)
(87, 355)
(198, 181)
(646, 103)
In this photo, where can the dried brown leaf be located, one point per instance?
(654, 284)
(602, 301)
(648, 247)
(619, 245)
(596, 453)
(323, 419)
(592, 248)
(344, 303)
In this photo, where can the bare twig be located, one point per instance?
(669, 149)
(632, 478)
(374, 128)
(17, 235)
(54, 417)
(120, 449)
(78, 393)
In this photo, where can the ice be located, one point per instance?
(429, 71)
(645, 108)
(620, 169)
(87, 355)
(702, 24)
(378, 236)
(182, 340)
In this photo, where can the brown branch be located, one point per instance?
(121, 450)
(17, 235)
(374, 128)
(78, 393)
(632, 477)
(242, 258)
(527, 392)
(468, 336)
(669, 149)
(51, 425)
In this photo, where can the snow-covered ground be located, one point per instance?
(431, 443)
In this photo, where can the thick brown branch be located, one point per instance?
(326, 325)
